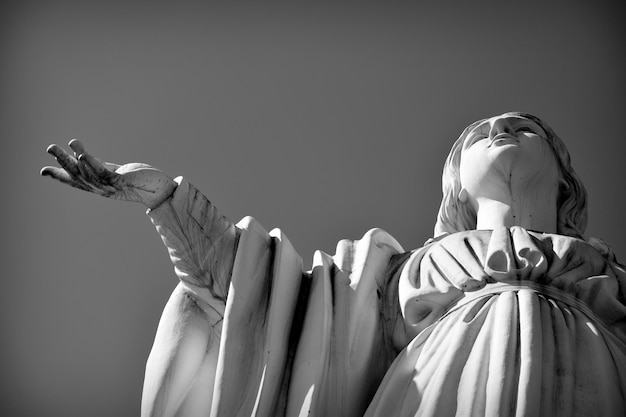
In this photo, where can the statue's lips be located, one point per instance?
(503, 139)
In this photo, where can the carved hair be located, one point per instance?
(455, 216)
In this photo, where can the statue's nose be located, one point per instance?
(501, 126)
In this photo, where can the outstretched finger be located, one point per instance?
(98, 168)
(64, 159)
(77, 146)
(61, 175)
(86, 174)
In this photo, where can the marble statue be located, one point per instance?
(507, 311)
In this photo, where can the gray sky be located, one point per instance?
(322, 120)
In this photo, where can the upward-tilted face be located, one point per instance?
(506, 149)
(471, 163)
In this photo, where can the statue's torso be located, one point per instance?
(509, 322)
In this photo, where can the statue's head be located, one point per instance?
(456, 215)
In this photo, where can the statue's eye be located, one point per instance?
(526, 129)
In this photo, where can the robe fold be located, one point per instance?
(479, 323)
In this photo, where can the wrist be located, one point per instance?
(166, 194)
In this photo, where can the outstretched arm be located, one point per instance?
(201, 243)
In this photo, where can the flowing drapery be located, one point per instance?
(479, 323)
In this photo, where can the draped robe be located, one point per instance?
(478, 323)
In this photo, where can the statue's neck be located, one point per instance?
(533, 209)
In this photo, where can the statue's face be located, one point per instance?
(505, 149)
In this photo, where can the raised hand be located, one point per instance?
(130, 182)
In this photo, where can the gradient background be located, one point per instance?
(321, 119)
